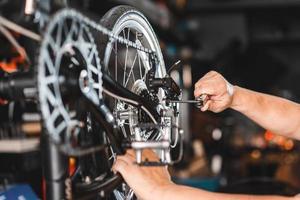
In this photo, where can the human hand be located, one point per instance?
(147, 182)
(218, 90)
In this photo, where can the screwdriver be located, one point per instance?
(199, 101)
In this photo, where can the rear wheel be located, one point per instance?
(129, 67)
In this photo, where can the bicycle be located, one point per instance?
(94, 109)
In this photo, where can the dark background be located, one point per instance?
(253, 44)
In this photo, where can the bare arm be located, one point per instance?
(178, 192)
(272, 113)
(151, 183)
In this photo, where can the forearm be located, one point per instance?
(178, 192)
(272, 113)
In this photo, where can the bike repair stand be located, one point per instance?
(55, 169)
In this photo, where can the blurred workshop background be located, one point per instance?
(254, 44)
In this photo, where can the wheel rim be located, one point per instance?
(133, 64)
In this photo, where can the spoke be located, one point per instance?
(116, 61)
(123, 31)
(128, 34)
(126, 54)
(131, 69)
(111, 157)
(136, 37)
(140, 67)
(144, 59)
(144, 77)
(133, 76)
(113, 154)
(139, 58)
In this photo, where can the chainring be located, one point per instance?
(67, 48)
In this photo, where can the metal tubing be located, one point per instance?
(55, 169)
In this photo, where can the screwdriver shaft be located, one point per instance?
(200, 101)
(183, 101)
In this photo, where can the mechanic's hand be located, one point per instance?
(218, 90)
(148, 183)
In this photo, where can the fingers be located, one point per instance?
(130, 156)
(124, 164)
(127, 158)
(209, 84)
(212, 84)
(215, 86)
(208, 75)
(204, 89)
(146, 154)
(120, 166)
(206, 106)
(130, 152)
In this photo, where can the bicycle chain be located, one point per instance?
(103, 30)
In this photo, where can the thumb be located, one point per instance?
(206, 106)
(120, 166)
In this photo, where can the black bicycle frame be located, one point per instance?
(55, 163)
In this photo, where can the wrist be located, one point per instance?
(235, 102)
(230, 88)
(164, 192)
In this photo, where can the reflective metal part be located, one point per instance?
(130, 101)
(84, 82)
(30, 7)
(138, 86)
(158, 145)
(108, 116)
